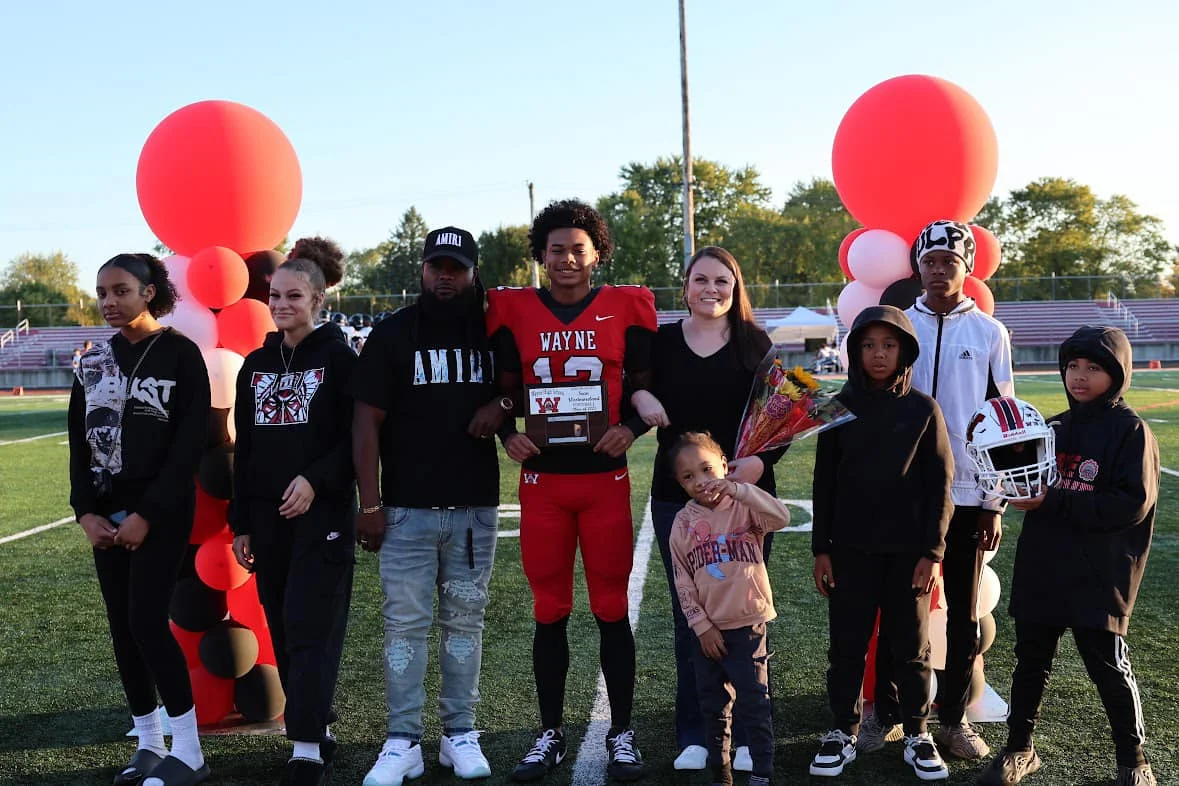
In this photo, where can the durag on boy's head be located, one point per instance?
(1106, 346)
(895, 326)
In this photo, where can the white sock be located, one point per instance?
(307, 750)
(186, 742)
(151, 732)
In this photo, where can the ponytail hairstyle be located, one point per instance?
(318, 258)
(748, 343)
(148, 269)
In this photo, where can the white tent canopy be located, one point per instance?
(801, 324)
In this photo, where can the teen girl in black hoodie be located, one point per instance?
(294, 499)
(138, 421)
(882, 507)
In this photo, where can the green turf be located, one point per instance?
(62, 713)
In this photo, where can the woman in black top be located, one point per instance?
(703, 370)
(292, 514)
(138, 421)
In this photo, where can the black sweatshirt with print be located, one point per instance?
(153, 458)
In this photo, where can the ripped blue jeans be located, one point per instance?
(451, 551)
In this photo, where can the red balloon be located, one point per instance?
(981, 293)
(216, 566)
(218, 173)
(212, 695)
(217, 276)
(844, 245)
(209, 519)
(189, 642)
(911, 150)
(265, 648)
(244, 607)
(243, 326)
(987, 253)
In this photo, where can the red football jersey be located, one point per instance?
(588, 349)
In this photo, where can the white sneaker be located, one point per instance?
(693, 757)
(921, 753)
(399, 759)
(462, 753)
(742, 761)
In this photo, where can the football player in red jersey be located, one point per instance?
(561, 353)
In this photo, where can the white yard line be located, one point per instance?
(590, 768)
(1170, 472)
(34, 439)
(35, 530)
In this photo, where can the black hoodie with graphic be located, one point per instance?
(1081, 554)
(294, 417)
(882, 482)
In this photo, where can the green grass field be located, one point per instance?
(63, 715)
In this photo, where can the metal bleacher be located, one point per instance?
(49, 347)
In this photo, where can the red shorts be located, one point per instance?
(559, 512)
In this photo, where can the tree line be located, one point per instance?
(1060, 241)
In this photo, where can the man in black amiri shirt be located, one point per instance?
(426, 411)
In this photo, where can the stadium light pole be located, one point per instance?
(689, 211)
(532, 217)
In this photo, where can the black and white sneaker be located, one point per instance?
(836, 751)
(626, 762)
(547, 752)
(922, 755)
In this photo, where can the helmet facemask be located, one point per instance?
(1013, 450)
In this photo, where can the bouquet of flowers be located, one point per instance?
(786, 404)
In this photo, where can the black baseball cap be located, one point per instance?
(458, 244)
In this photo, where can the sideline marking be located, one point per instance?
(35, 530)
(34, 439)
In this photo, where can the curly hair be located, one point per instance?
(570, 214)
(326, 255)
(148, 269)
(698, 439)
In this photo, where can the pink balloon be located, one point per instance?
(843, 357)
(854, 298)
(194, 321)
(178, 274)
(878, 258)
(223, 365)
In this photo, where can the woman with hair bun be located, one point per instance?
(138, 422)
(292, 515)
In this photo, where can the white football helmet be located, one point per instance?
(1013, 449)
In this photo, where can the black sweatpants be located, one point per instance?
(961, 569)
(137, 589)
(865, 584)
(1107, 659)
(304, 568)
(737, 686)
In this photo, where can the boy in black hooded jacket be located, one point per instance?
(882, 507)
(1097, 523)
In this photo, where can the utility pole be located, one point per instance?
(532, 217)
(689, 211)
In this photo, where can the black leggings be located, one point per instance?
(137, 589)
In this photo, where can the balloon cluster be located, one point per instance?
(219, 183)
(911, 150)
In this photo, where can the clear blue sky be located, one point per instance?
(454, 106)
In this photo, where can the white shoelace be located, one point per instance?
(541, 748)
(624, 747)
(466, 743)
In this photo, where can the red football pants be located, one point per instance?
(559, 512)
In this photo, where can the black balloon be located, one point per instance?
(195, 606)
(216, 472)
(218, 427)
(903, 293)
(229, 650)
(258, 695)
(262, 265)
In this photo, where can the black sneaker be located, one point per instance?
(921, 754)
(547, 752)
(626, 762)
(1009, 768)
(303, 772)
(836, 751)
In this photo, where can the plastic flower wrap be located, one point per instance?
(786, 404)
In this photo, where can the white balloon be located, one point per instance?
(989, 555)
(843, 364)
(988, 591)
(195, 321)
(937, 639)
(878, 258)
(854, 298)
(223, 366)
(231, 427)
(178, 274)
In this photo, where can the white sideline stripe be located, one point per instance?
(1170, 472)
(33, 439)
(35, 530)
(590, 768)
